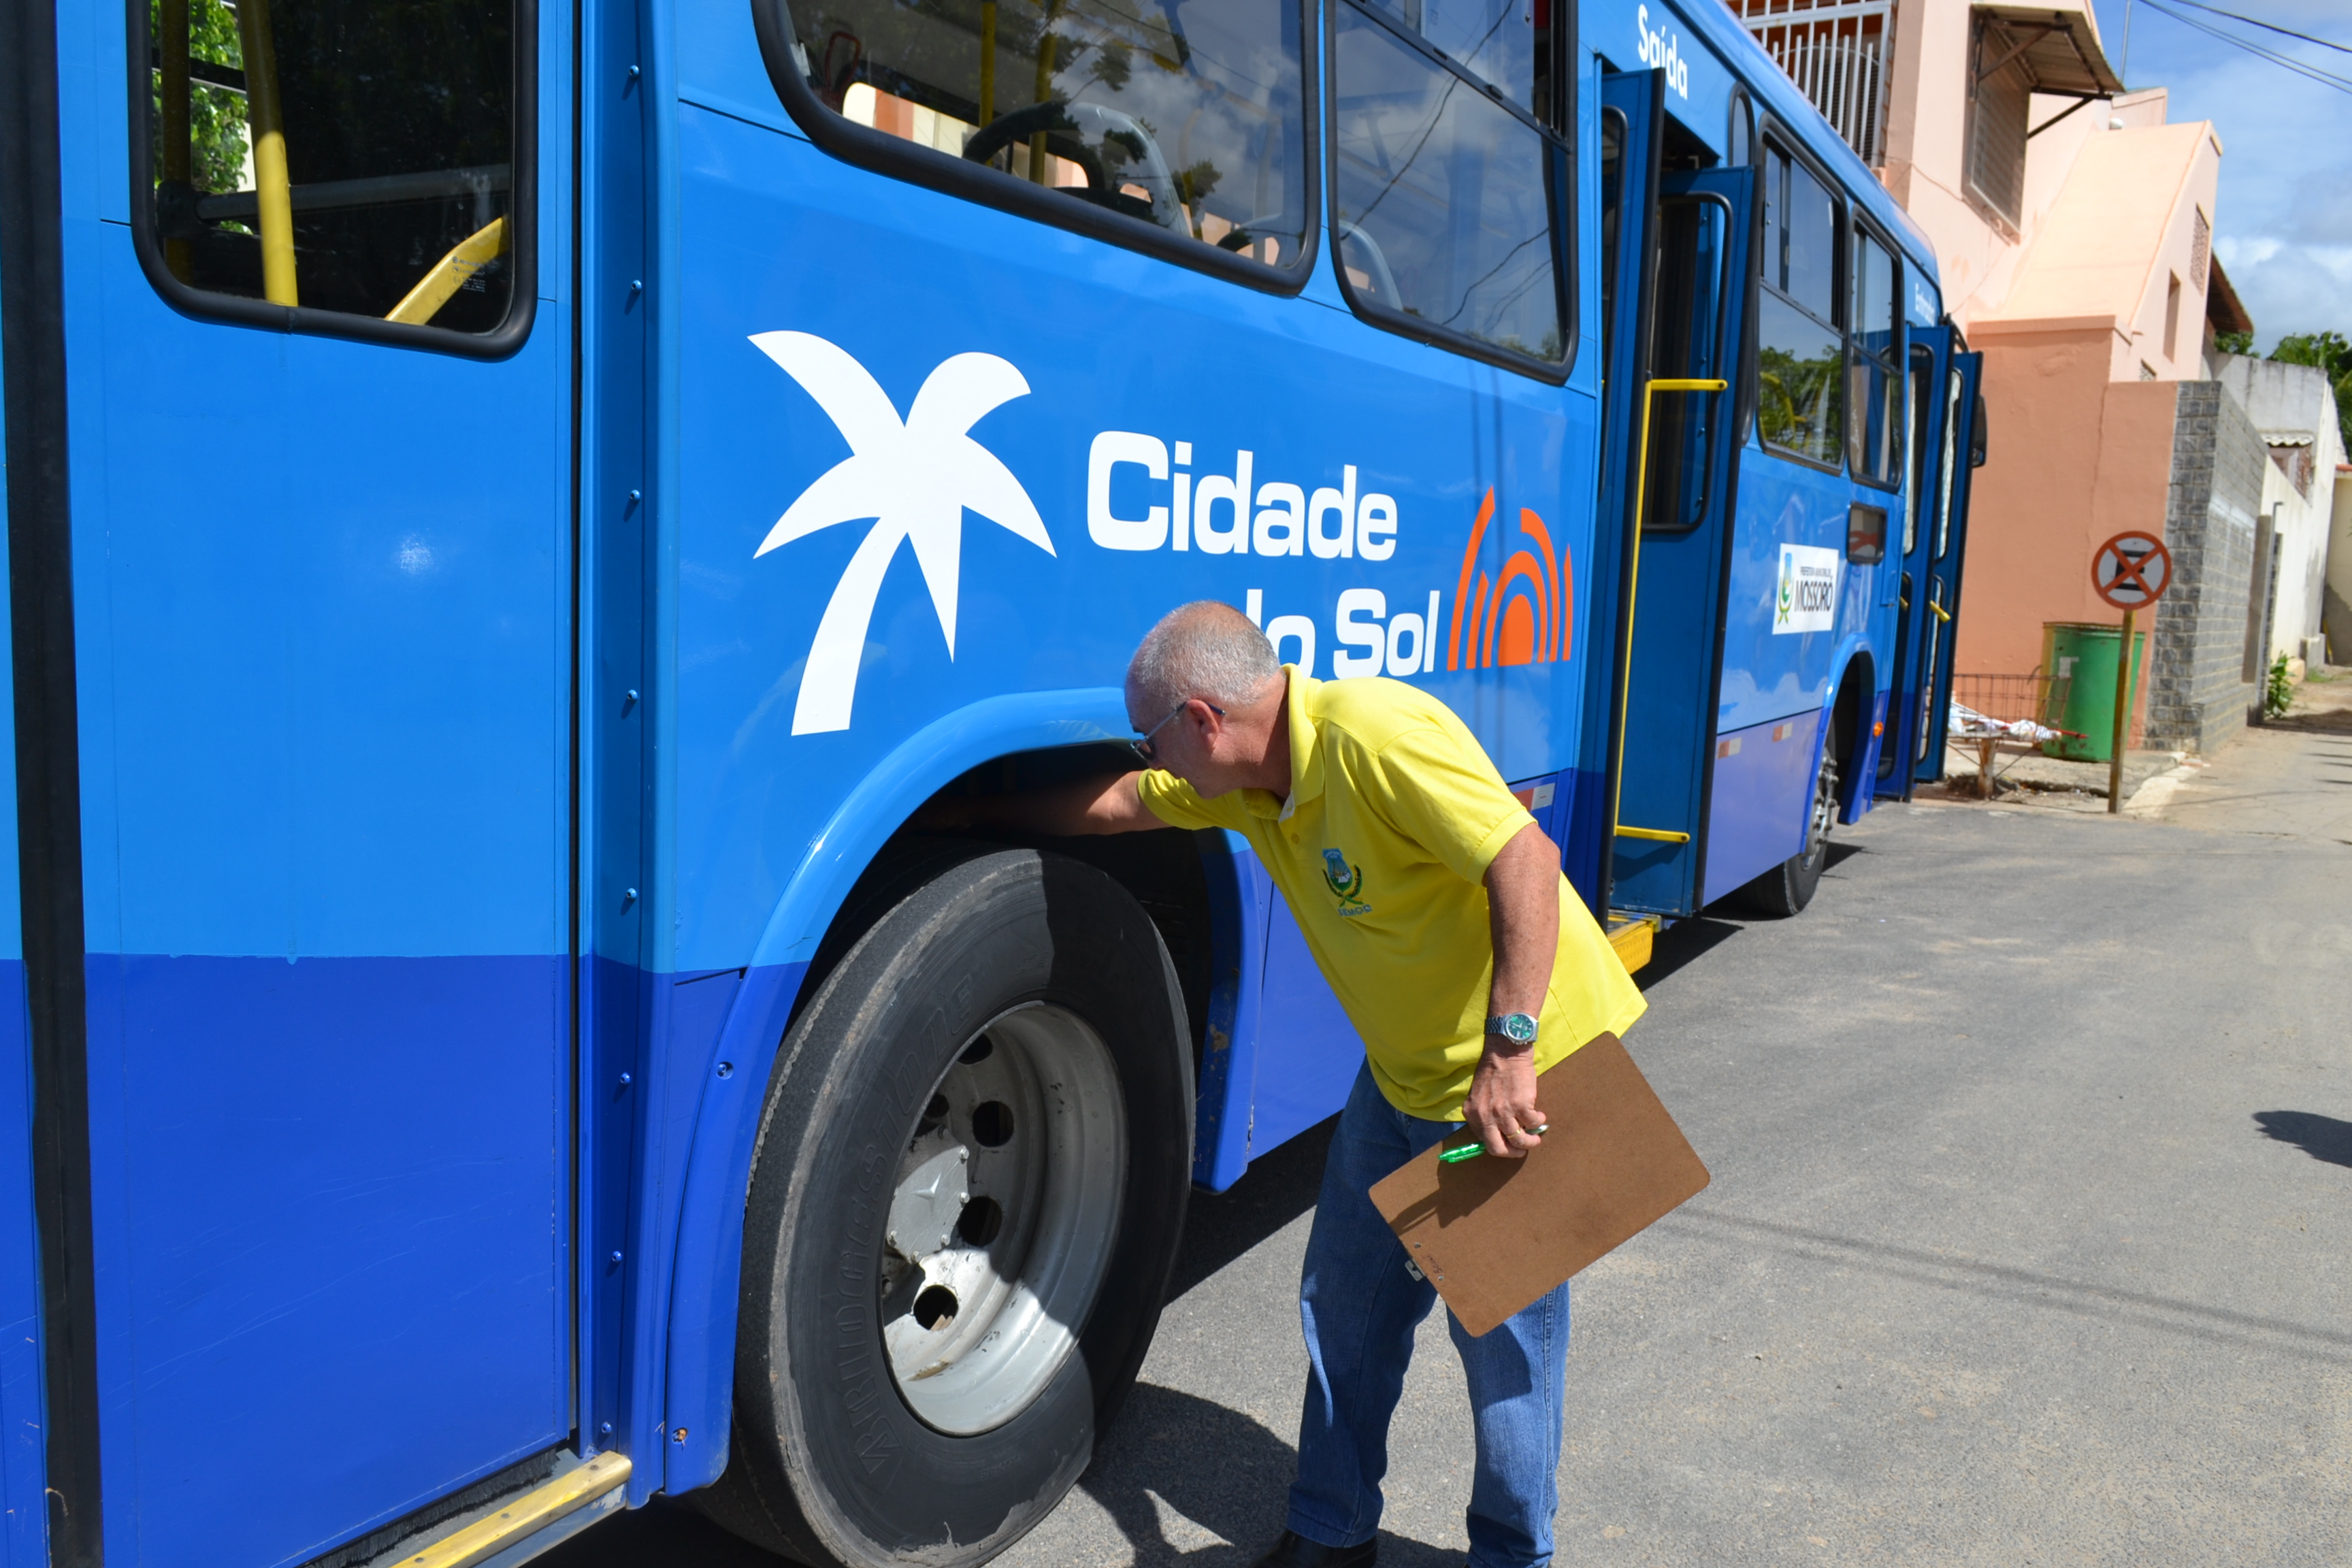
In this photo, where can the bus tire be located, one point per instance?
(1788, 888)
(966, 1192)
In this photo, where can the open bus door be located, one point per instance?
(1911, 685)
(1631, 126)
(1960, 451)
(1686, 418)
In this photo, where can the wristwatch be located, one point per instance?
(1516, 1028)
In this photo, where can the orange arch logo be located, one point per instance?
(1523, 616)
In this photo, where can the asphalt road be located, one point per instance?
(2031, 1143)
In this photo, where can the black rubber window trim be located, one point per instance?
(1561, 147)
(1773, 134)
(886, 154)
(523, 305)
(1857, 223)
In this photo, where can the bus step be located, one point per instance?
(524, 1526)
(1631, 936)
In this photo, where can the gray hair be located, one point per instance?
(1204, 649)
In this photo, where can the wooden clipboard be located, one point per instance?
(1494, 1235)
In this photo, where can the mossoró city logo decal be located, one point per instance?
(1346, 883)
(913, 480)
(1806, 597)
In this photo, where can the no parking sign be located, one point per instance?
(2132, 571)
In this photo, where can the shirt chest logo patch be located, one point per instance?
(1346, 883)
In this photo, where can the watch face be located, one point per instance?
(1518, 1026)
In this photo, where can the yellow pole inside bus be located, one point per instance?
(987, 62)
(173, 18)
(1650, 390)
(265, 115)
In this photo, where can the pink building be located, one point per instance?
(2074, 231)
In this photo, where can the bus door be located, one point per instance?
(1960, 451)
(1911, 688)
(1705, 223)
(1632, 136)
(323, 587)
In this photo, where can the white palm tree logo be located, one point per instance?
(915, 480)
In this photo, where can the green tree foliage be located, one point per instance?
(2234, 343)
(216, 114)
(2326, 351)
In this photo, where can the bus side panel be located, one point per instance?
(24, 1510)
(324, 720)
(763, 763)
(1310, 1050)
(1759, 771)
(1772, 673)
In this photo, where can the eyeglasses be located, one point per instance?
(1141, 744)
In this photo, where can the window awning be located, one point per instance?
(2222, 304)
(2058, 48)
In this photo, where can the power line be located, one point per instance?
(2269, 26)
(2289, 62)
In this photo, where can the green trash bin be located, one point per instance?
(2079, 657)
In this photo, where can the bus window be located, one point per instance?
(1188, 115)
(1799, 354)
(1687, 342)
(1443, 197)
(1494, 40)
(1875, 439)
(352, 156)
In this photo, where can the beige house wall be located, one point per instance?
(2075, 459)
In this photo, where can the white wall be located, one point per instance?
(2287, 403)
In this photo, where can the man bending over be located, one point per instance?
(1435, 907)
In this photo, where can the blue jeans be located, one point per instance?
(1359, 1308)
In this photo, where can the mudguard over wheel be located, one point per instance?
(965, 1203)
(1788, 887)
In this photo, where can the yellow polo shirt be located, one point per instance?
(1394, 813)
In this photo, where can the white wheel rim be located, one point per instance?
(1004, 1219)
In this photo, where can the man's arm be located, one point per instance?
(1065, 811)
(1523, 913)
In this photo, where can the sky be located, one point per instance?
(2284, 228)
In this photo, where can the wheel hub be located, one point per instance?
(1003, 1217)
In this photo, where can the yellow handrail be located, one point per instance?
(266, 114)
(1650, 390)
(448, 275)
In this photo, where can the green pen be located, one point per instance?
(1472, 1151)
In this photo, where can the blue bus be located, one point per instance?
(514, 509)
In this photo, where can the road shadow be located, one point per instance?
(1279, 1186)
(664, 1534)
(2322, 1138)
(1221, 1471)
(1682, 941)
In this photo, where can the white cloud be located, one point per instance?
(2238, 252)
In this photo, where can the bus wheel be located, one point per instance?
(965, 1202)
(1788, 887)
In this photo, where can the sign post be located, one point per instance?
(2129, 571)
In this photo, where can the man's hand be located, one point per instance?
(1501, 1108)
(1523, 914)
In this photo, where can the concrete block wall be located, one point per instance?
(2198, 696)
